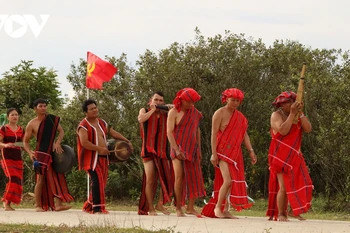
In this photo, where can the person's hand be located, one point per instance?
(103, 151)
(170, 106)
(153, 106)
(214, 160)
(180, 155)
(295, 108)
(57, 148)
(32, 156)
(9, 145)
(253, 157)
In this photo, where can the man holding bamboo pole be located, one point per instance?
(289, 178)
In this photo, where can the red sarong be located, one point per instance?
(55, 184)
(97, 197)
(155, 147)
(285, 157)
(229, 150)
(12, 164)
(185, 134)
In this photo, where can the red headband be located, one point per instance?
(232, 93)
(187, 94)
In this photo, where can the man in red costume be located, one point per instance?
(289, 178)
(49, 184)
(155, 157)
(229, 130)
(93, 155)
(184, 137)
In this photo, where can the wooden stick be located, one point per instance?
(300, 92)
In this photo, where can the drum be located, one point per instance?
(119, 151)
(64, 162)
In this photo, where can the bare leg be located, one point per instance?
(299, 217)
(7, 206)
(190, 208)
(37, 193)
(224, 190)
(226, 212)
(60, 206)
(159, 205)
(281, 199)
(178, 170)
(150, 181)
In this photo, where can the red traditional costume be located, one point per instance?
(185, 134)
(55, 184)
(229, 150)
(155, 147)
(95, 165)
(12, 164)
(285, 157)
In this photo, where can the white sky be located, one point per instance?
(111, 27)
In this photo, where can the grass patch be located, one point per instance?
(27, 228)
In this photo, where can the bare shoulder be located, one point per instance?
(276, 116)
(219, 113)
(142, 110)
(172, 112)
(32, 123)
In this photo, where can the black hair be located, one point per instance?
(10, 110)
(159, 93)
(87, 103)
(39, 101)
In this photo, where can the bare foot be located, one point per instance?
(162, 209)
(39, 209)
(282, 218)
(227, 214)
(271, 218)
(63, 207)
(218, 213)
(299, 217)
(193, 212)
(152, 213)
(179, 213)
(8, 208)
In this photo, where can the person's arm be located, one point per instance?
(215, 126)
(144, 116)
(119, 136)
(84, 140)
(305, 124)
(57, 145)
(249, 147)
(170, 129)
(277, 123)
(26, 139)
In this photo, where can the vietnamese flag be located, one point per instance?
(98, 71)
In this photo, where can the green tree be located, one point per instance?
(23, 83)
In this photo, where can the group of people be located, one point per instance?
(171, 155)
(179, 171)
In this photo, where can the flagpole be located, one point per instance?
(87, 175)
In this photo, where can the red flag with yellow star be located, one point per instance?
(98, 71)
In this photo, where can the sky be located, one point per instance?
(113, 27)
